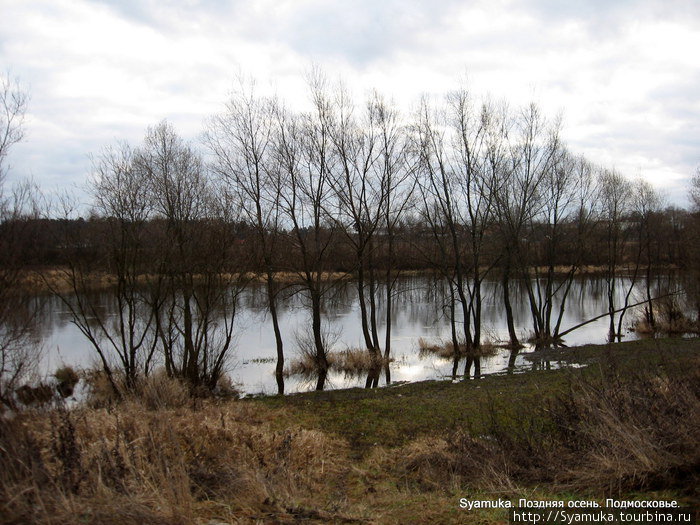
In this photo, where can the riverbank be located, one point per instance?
(624, 427)
(59, 279)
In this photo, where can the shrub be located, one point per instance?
(67, 378)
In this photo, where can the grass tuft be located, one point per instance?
(447, 350)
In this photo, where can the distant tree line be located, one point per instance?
(466, 187)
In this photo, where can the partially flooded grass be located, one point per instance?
(447, 350)
(351, 361)
(681, 325)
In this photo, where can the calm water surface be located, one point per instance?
(419, 310)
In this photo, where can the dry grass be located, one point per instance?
(446, 349)
(349, 361)
(642, 327)
(156, 391)
(670, 318)
(304, 365)
(58, 279)
(296, 278)
(133, 465)
(612, 435)
(439, 348)
(356, 361)
(612, 429)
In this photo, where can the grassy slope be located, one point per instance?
(402, 454)
(382, 419)
(395, 416)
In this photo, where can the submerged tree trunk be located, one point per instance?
(505, 281)
(321, 359)
(279, 344)
(453, 333)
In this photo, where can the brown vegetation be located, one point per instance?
(609, 436)
(155, 391)
(134, 465)
(349, 361)
(669, 318)
(607, 433)
(612, 430)
(446, 349)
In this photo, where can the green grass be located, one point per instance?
(386, 418)
(394, 416)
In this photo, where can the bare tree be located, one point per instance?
(116, 243)
(13, 107)
(462, 156)
(558, 236)
(437, 185)
(695, 190)
(480, 159)
(519, 201)
(693, 282)
(242, 141)
(305, 154)
(360, 195)
(646, 207)
(20, 350)
(397, 178)
(19, 354)
(371, 189)
(615, 198)
(195, 322)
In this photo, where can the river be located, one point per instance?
(418, 310)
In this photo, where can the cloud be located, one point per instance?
(623, 72)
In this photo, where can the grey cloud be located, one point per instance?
(359, 32)
(605, 18)
(150, 12)
(362, 34)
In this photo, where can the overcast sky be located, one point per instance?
(624, 73)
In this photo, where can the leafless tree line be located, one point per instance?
(167, 243)
(18, 207)
(466, 186)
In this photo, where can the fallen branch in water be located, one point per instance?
(606, 314)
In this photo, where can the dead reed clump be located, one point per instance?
(39, 395)
(487, 348)
(67, 378)
(641, 326)
(22, 473)
(428, 464)
(356, 361)
(159, 391)
(671, 313)
(679, 325)
(447, 350)
(226, 388)
(675, 324)
(306, 364)
(669, 316)
(351, 361)
(614, 433)
(453, 462)
(100, 391)
(155, 392)
(636, 433)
